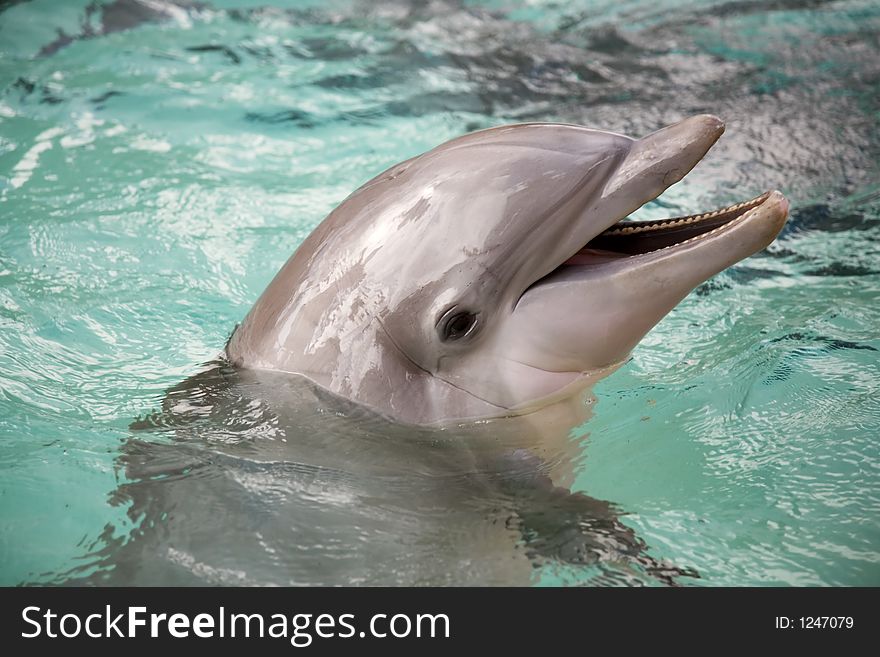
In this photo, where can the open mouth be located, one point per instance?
(629, 238)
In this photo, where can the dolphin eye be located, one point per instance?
(457, 324)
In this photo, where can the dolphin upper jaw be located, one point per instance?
(632, 173)
(651, 165)
(663, 158)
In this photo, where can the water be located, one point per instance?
(157, 166)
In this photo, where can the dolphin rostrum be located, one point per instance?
(496, 273)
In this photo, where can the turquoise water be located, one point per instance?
(160, 161)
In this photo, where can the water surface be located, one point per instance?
(160, 161)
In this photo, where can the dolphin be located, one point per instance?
(497, 273)
(398, 405)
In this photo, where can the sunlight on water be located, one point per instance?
(160, 161)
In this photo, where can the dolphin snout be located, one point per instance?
(662, 159)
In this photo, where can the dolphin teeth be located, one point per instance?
(677, 222)
(631, 239)
(701, 236)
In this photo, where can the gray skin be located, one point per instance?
(493, 228)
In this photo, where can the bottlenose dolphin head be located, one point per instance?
(496, 272)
